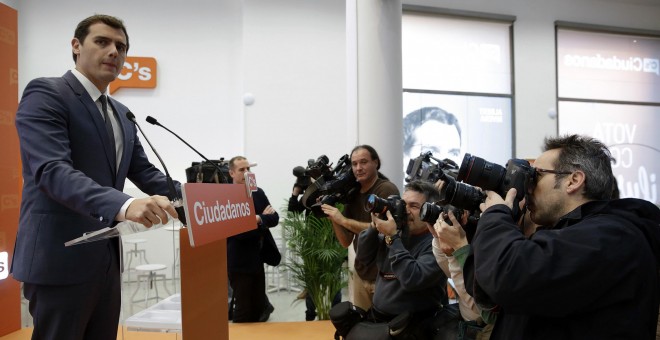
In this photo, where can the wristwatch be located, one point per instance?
(389, 239)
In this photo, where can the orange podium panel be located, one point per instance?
(213, 212)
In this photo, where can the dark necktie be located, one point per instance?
(108, 125)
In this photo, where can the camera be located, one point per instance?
(207, 172)
(477, 171)
(380, 206)
(423, 168)
(314, 170)
(455, 193)
(430, 212)
(334, 186)
(518, 174)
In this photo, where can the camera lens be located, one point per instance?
(376, 204)
(479, 172)
(467, 197)
(430, 213)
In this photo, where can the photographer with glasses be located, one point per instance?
(590, 271)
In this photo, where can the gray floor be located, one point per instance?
(282, 293)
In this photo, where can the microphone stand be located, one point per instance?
(176, 200)
(153, 121)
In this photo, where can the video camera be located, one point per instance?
(314, 170)
(334, 186)
(206, 172)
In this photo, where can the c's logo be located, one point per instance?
(4, 265)
(138, 72)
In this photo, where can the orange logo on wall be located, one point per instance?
(138, 72)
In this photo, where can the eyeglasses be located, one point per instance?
(548, 171)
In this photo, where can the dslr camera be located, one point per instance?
(380, 206)
(518, 174)
(460, 195)
(332, 187)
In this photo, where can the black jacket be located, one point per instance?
(243, 250)
(594, 275)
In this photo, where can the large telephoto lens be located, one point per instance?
(460, 195)
(430, 213)
(467, 197)
(481, 173)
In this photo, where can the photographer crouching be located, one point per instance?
(590, 271)
(409, 280)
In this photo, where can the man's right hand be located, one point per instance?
(150, 210)
(333, 213)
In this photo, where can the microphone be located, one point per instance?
(299, 171)
(177, 201)
(153, 121)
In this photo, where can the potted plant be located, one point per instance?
(315, 258)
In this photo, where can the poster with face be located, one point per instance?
(630, 132)
(452, 125)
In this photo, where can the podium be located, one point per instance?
(214, 213)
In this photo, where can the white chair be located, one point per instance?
(148, 279)
(140, 256)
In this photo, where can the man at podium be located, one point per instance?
(77, 149)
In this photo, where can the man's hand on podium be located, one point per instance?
(150, 210)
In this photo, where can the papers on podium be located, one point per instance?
(121, 229)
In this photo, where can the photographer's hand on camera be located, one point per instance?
(450, 236)
(385, 227)
(493, 198)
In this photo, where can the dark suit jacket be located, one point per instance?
(69, 184)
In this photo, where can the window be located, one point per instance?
(457, 88)
(609, 88)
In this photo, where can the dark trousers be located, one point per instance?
(81, 311)
(249, 294)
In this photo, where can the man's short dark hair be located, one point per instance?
(233, 160)
(589, 155)
(417, 118)
(82, 30)
(429, 191)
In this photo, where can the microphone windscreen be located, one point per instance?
(152, 120)
(299, 171)
(130, 116)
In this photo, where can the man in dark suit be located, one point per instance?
(74, 170)
(245, 264)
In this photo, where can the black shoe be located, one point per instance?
(266, 314)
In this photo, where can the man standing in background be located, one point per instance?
(244, 263)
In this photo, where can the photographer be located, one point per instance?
(590, 271)
(365, 164)
(450, 248)
(295, 205)
(409, 279)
